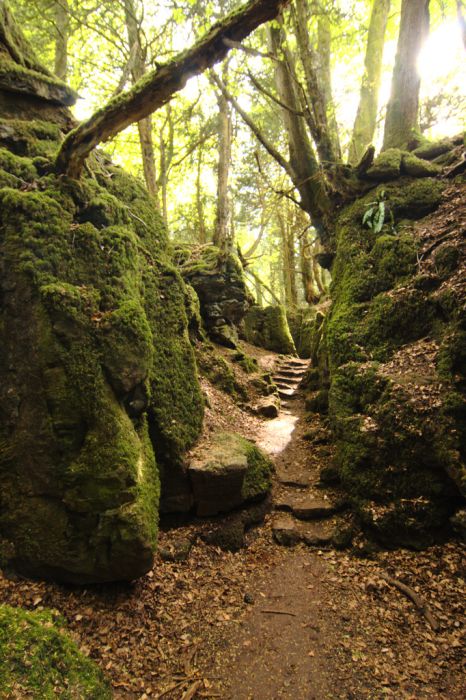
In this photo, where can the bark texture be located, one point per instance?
(62, 30)
(138, 70)
(403, 106)
(366, 117)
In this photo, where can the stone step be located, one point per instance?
(283, 379)
(296, 364)
(305, 506)
(283, 385)
(288, 532)
(286, 393)
(287, 372)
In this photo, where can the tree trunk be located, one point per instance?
(324, 43)
(62, 32)
(461, 20)
(311, 294)
(366, 117)
(307, 176)
(402, 110)
(138, 71)
(288, 259)
(201, 227)
(222, 233)
(315, 98)
(156, 89)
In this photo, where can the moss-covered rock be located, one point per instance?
(387, 166)
(99, 394)
(231, 471)
(38, 659)
(268, 328)
(400, 447)
(218, 280)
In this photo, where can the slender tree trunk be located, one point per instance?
(403, 107)
(461, 20)
(306, 174)
(62, 33)
(222, 232)
(324, 44)
(259, 295)
(366, 117)
(311, 294)
(315, 98)
(201, 227)
(288, 259)
(138, 71)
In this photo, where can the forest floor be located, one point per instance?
(270, 621)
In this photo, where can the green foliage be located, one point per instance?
(374, 216)
(39, 659)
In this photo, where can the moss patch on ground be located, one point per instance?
(38, 659)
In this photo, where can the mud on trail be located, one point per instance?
(308, 621)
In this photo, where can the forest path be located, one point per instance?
(285, 646)
(212, 625)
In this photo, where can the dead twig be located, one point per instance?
(420, 604)
(278, 612)
(192, 690)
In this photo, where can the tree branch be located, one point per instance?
(271, 96)
(255, 130)
(157, 88)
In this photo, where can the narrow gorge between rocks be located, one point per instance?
(232, 350)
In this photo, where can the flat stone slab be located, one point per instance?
(286, 393)
(268, 407)
(230, 471)
(288, 532)
(288, 381)
(305, 506)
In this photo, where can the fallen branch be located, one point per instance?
(279, 612)
(192, 690)
(420, 604)
(157, 88)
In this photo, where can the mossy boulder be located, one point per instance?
(218, 280)
(230, 471)
(99, 396)
(38, 659)
(268, 328)
(391, 352)
(387, 166)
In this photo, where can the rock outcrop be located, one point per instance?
(218, 280)
(268, 328)
(230, 472)
(99, 396)
(390, 355)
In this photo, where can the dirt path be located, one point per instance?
(203, 627)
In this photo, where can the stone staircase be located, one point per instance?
(304, 511)
(288, 377)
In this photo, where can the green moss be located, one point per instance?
(268, 328)
(386, 166)
(30, 138)
(258, 479)
(38, 659)
(18, 166)
(451, 360)
(394, 320)
(417, 167)
(213, 366)
(446, 259)
(247, 363)
(97, 333)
